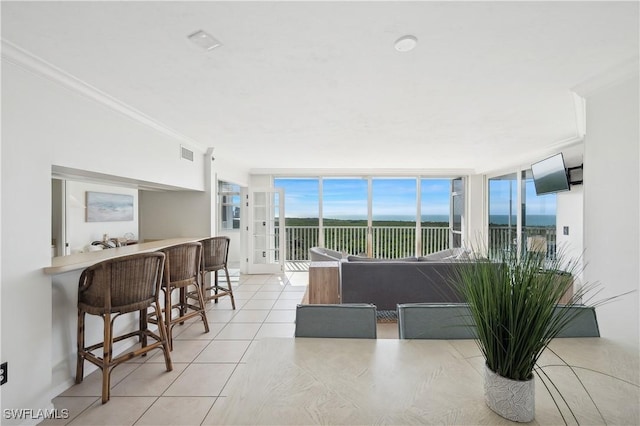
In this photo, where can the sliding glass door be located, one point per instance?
(520, 220)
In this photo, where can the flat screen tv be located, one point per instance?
(550, 175)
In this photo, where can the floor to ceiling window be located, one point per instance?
(302, 211)
(345, 213)
(538, 218)
(518, 218)
(503, 205)
(393, 231)
(381, 217)
(435, 215)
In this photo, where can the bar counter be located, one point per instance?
(65, 274)
(78, 261)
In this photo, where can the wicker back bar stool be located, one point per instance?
(181, 271)
(110, 289)
(215, 253)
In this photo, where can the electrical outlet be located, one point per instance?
(3, 373)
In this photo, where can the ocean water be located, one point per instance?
(498, 219)
(530, 220)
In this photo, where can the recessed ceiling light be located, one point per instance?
(204, 40)
(406, 43)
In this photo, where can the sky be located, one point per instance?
(499, 199)
(346, 198)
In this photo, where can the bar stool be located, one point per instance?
(181, 270)
(110, 289)
(214, 258)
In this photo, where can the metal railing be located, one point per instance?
(397, 241)
(387, 241)
(504, 237)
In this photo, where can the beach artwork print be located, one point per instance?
(105, 207)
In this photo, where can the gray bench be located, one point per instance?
(583, 324)
(341, 321)
(452, 321)
(435, 321)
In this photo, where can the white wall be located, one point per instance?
(81, 233)
(476, 195)
(570, 213)
(46, 124)
(611, 205)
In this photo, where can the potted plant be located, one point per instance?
(513, 303)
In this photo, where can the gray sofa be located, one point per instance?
(389, 283)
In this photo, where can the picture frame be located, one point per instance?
(107, 207)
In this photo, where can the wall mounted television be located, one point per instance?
(550, 175)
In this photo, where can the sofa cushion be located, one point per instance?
(353, 258)
(318, 254)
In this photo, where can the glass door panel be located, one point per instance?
(538, 219)
(393, 217)
(503, 205)
(435, 211)
(267, 231)
(457, 212)
(302, 198)
(345, 214)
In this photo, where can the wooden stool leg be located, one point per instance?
(143, 326)
(214, 284)
(201, 303)
(183, 303)
(106, 358)
(233, 300)
(80, 344)
(167, 317)
(162, 332)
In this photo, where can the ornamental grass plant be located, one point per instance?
(514, 308)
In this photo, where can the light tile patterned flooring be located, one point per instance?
(144, 393)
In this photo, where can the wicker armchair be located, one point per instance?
(112, 288)
(214, 258)
(181, 271)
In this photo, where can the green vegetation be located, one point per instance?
(513, 307)
(310, 221)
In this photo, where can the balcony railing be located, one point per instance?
(387, 241)
(504, 237)
(395, 241)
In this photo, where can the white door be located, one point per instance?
(266, 244)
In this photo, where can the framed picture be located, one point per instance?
(105, 207)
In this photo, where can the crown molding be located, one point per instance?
(619, 73)
(524, 161)
(29, 62)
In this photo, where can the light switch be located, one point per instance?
(565, 230)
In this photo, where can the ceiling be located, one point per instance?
(318, 85)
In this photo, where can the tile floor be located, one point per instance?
(143, 393)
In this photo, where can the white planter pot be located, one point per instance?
(512, 399)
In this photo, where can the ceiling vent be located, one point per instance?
(185, 153)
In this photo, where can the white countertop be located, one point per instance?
(309, 381)
(79, 261)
